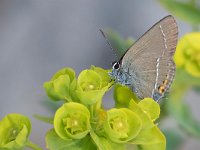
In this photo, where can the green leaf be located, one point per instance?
(54, 142)
(44, 119)
(105, 144)
(186, 11)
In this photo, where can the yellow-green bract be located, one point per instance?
(14, 131)
(187, 54)
(72, 121)
(62, 85)
(92, 85)
(122, 125)
(89, 88)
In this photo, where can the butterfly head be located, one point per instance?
(118, 74)
(115, 70)
(116, 65)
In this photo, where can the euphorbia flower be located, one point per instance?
(150, 136)
(72, 121)
(92, 85)
(62, 85)
(14, 131)
(122, 125)
(187, 54)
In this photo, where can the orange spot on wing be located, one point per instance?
(165, 82)
(162, 87)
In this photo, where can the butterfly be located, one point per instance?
(147, 67)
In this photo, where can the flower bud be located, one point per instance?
(62, 85)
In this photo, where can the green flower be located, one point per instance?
(123, 95)
(14, 131)
(62, 85)
(105, 78)
(122, 125)
(72, 121)
(150, 137)
(187, 54)
(92, 85)
(150, 107)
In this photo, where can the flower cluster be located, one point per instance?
(82, 123)
(187, 54)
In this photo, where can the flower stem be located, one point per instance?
(33, 146)
(91, 111)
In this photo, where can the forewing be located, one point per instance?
(149, 61)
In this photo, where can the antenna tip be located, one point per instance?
(102, 32)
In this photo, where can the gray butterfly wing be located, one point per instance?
(149, 60)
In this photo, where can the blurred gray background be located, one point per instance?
(38, 37)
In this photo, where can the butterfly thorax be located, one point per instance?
(119, 75)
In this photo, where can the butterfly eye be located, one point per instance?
(116, 65)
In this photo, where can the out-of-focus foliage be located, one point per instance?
(187, 59)
(176, 105)
(187, 54)
(186, 10)
(174, 137)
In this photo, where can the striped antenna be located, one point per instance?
(108, 43)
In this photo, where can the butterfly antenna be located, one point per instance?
(108, 43)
